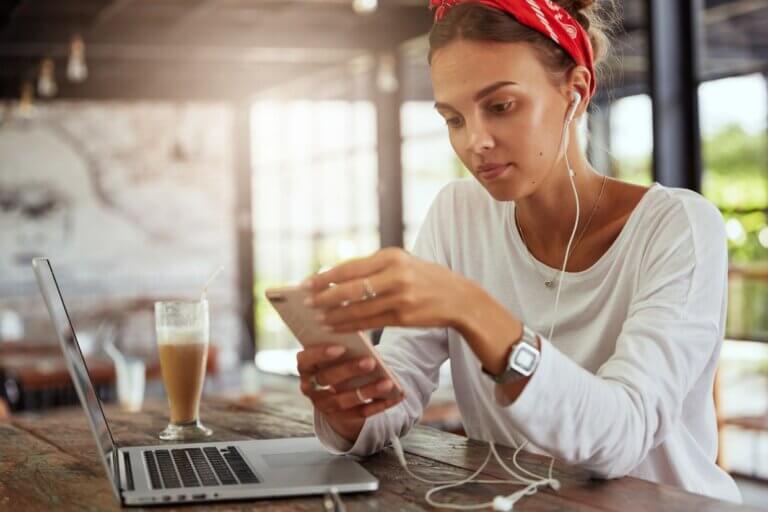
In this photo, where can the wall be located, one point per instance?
(131, 201)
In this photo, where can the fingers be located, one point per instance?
(351, 291)
(313, 372)
(348, 400)
(378, 405)
(309, 359)
(308, 389)
(386, 319)
(355, 269)
(337, 374)
(360, 310)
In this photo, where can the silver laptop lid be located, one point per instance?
(77, 367)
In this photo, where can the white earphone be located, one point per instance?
(531, 481)
(574, 106)
(563, 147)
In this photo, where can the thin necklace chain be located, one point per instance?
(549, 282)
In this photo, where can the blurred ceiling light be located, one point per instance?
(364, 6)
(26, 101)
(77, 71)
(386, 79)
(46, 82)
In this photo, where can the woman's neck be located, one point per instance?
(546, 217)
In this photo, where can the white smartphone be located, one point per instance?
(300, 319)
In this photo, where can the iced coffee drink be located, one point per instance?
(182, 330)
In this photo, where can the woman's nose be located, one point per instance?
(480, 140)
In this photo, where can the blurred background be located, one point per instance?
(144, 143)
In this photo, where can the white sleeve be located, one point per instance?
(608, 422)
(413, 354)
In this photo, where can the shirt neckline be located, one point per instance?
(596, 266)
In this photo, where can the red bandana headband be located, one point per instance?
(543, 16)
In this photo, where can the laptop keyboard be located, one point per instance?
(197, 467)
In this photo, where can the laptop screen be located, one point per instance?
(76, 365)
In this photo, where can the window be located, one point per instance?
(631, 131)
(314, 196)
(429, 163)
(735, 178)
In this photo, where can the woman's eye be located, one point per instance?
(500, 107)
(453, 122)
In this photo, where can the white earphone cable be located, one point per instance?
(500, 501)
(564, 147)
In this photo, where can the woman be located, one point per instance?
(625, 385)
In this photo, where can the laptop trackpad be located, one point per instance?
(284, 460)
(313, 468)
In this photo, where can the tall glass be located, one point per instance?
(182, 330)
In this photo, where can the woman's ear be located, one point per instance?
(580, 80)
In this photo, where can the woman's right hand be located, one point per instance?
(341, 405)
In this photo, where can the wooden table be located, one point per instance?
(49, 463)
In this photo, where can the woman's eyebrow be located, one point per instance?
(485, 91)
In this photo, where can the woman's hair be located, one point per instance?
(474, 21)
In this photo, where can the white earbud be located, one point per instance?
(574, 106)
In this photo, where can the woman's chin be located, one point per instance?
(501, 190)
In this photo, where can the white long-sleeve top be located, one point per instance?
(625, 386)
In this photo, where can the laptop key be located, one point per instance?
(154, 473)
(220, 466)
(239, 466)
(187, 474)
(203, 467)
(167, 469)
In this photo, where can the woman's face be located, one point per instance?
(504, 113)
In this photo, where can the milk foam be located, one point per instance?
(167, 335)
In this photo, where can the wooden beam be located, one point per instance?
(733, 9)
(599, 141)
(175, 53)
(109, 12)
(381, 30)
(244, 235)
(194, 14)
(675, 42)
(9, 14)
(131, 83)
(389, 149)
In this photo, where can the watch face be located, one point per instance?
(525, 359)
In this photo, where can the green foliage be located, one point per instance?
(736, 169)
(635, 170)
(736, 180)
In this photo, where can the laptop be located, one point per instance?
(197, 472)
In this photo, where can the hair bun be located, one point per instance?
(576, 5)
(577, 9)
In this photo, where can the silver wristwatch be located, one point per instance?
(522, 361)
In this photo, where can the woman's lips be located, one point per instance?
(492, 172)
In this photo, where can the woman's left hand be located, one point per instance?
(389, 288)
